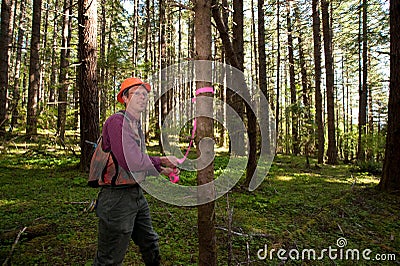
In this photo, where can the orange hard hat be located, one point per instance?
(129, 83)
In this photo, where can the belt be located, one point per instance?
(121, 186)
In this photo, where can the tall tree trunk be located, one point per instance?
(17, 69)
(305, 90)
(135, 29)
(206, 212)
(52, 84)
(87, 80)
(293, 93)
(102, 64)
(390, 180)
(317, 73)
(233, 99)
(362, 111)
(262, 73)
(5, 41)
(63, 78)
(255, 43)
(262, 64)
(251, 118)
(278, 73)
(44, 61)
(332, 151)
(370, 150)
(345, 93)
(34, 71)
(146, 42)
(163, 101)
(110, 69)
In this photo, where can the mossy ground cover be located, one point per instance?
(295, 209)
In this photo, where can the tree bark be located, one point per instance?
(52, 85)
(233, 99)
(162, 103)
(63, 78)
(317, 73)
(5, 40)
(251, 118)
(17, 70)
(87, 80)
(390, 180)
(254, 54)
(34, 71)
(278, 73)
(305, 91)
(363, 93)
(332, 151)
(206, 212)
(102, 64)
(293, 93)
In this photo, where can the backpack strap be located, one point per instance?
(114, 178)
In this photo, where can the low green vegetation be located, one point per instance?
(295, 209)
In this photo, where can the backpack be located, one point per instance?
(105, 171)
(98, 164)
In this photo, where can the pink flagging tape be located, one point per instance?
(174, 178)
(205, 89)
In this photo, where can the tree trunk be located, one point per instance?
(135, 29)
(362, 108)
(5, 41)
(262, 73)
(52, 85)
(251, 118)
(293, 93)
(17, 69)
(103, 90)
(390, 180)
(305, 91)
(255, 44)
(110, 70)
(233, 99)
(330, 96)
(87, 81)
(44, 62)
(317, 73)
(206, 212)
(370, 146)
(146, 42)
(34, 71)
(163, 101)
(278, 73)
(63, 78)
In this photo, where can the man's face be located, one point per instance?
(136, 100)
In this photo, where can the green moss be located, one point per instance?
(294, 208)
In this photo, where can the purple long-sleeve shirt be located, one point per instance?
(119, 138)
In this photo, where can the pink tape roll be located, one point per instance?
(173, 176)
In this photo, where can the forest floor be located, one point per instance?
(318, 215)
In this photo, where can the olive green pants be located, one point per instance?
(124, 214)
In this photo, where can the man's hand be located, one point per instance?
(167, 170)
(169, 161)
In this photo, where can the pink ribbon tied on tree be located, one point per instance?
(173, 176)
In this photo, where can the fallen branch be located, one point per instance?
(6, 262)
(76, 202)
(242, 234)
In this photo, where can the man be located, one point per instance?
(122, 209)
